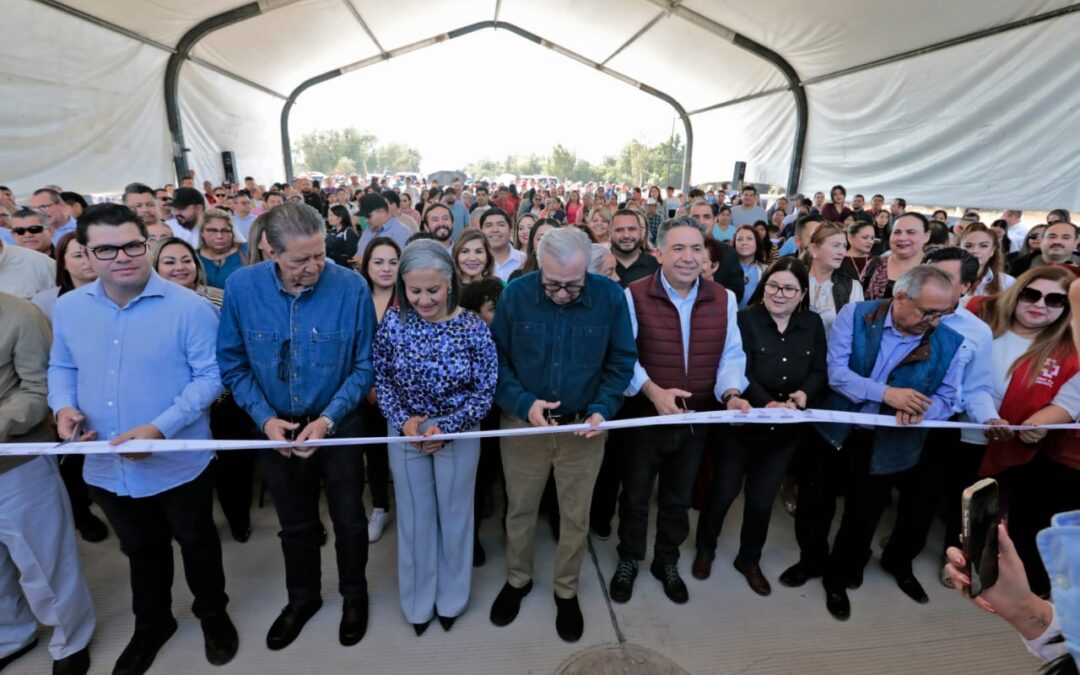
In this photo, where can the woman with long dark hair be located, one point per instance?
(73, 271)
(342, 240)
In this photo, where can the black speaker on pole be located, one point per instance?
(228, 158)
(740, 173)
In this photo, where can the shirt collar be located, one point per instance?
(155, 287)
(674, 294)
(281, 287)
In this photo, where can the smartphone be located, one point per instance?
(981, 517)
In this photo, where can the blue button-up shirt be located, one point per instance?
(150, 362)
(895, 346)
(69, 226)
(580, 354)
(393, 228)
(461, 218)
(975, 386)
(731, 373)
(7, 237)
(327, 366)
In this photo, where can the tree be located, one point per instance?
(561, 162)
(322, 150)
(345, 166)
(395, 157)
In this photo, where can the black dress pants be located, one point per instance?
(378, 463)
(233, 471)
(294, 485)
(672, 453)
(758, 459)
(819, 470)
(146, 527)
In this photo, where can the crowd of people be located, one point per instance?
(302, 312)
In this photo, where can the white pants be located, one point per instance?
(41, 577)
(434, 496)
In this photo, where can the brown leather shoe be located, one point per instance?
(752, 571)
(702, 566)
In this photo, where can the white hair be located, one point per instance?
(911, 282)
(564, 245)
(597, 254)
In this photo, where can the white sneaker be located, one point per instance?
(380, 518)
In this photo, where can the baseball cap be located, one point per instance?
(185, 197)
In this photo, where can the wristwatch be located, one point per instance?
(331, 426)
(727, 397)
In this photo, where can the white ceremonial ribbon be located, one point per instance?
(755, 416)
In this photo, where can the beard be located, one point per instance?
(442, 233)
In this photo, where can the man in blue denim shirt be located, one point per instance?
(566, 354)
(295, 350)
(133, 358)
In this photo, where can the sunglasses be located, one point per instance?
(33, 229)
(1053, 300)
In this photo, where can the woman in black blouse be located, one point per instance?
(785, 349)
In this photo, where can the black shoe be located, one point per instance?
(91, 528)
(702, 567)
(855, 580)
(797, 575)
(289, 624)
(836, 601)
(505, 608)
(139, 654)
(76, 664)
(601, 530)
(447, 622)
(22, 651)
(622, 582)
(220, 638)
(421, 627)
(907, 583)
(354, 618)
(241, 534)
(479, 555)
(674, 587)
(568, 620)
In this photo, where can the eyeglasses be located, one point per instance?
(571, 289)
(1053, 300)
(33, 229)
(787, 292)
(283, 361)
(927, 315)
(219, 195)
(1035, 235)
(217, 232)
(132, 249)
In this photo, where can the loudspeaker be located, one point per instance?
(740, 173)
(229, 160)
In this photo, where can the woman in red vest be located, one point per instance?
(1037, 382)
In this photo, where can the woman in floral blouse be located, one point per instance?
(435, 372)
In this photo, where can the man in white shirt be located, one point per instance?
(495, 225)
(188, 208)
(25, 273)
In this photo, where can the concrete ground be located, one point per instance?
(724, 629)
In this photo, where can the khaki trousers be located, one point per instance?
(527, 461)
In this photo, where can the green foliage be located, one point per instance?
(637, 164)
(349, 151)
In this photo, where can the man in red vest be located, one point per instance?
(690, 358)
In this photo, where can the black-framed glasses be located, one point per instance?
(572, 288)
(132, 249)
(283, 361)
(33, 229)
(929, 315)
(219, 195)
(786, 292)
(1053, 300)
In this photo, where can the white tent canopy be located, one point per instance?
(972, 102)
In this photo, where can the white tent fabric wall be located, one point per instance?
(220, 114)
(82, 106)
(992, 123)
(988, 123)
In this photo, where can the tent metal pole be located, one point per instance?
(286, 146)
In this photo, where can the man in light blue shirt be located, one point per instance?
(48, 203)
(457, 210)
(704, 370)
(376, 210)
(134, 358)
(946, 465)
(242, 216)
(748, 211)
(295, 350)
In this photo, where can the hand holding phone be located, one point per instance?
(981, 517)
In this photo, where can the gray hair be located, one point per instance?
(291, 220)
(563, 244)
(28, 213)
(911, 282)
(597, 253)
(672, 223)
(426, 254)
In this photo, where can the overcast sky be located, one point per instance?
(470, 98)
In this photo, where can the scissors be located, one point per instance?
(74, 436)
